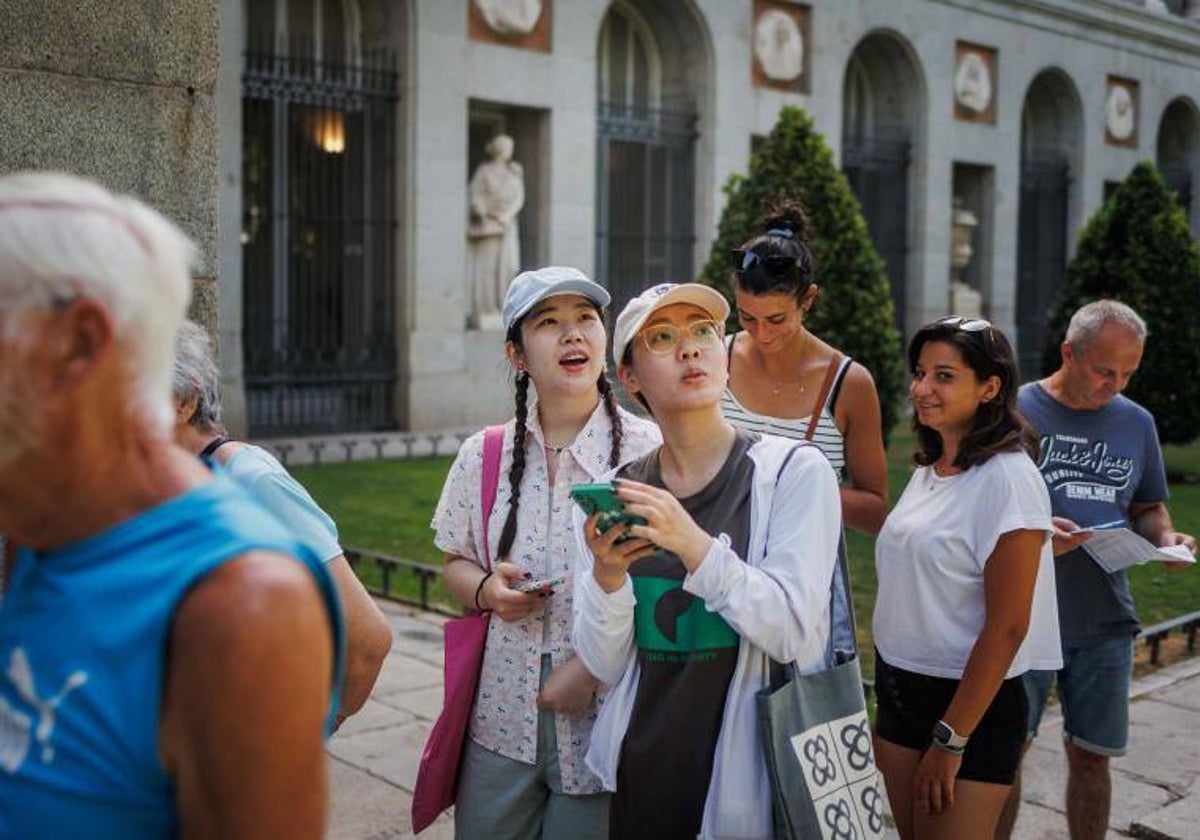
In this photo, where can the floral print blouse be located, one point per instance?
(506, 714)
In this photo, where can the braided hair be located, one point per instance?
(786, 263)
(516, 472)
(614, 415)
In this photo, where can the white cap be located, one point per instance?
(529, 287)
(635, 313)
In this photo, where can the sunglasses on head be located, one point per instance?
(774, 265)
(965, 324)
(975, 326)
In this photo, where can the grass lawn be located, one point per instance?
(385, 506)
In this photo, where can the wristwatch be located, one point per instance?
(944, 737)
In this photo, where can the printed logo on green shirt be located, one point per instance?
(669, 619)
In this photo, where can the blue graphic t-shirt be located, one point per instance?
(1096, 464)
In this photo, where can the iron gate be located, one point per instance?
(1041, 255)
(318, 233)
(645, 231)
(877, 169)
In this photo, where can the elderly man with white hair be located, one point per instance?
(169, 652)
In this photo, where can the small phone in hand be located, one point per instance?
(530, 586)
(602, 498)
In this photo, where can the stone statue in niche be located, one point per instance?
(510, 17)
(1119, 112)
(973, 83)
(964, 300)
(779, 46)
(497, 194)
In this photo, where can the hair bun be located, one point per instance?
(785, 218)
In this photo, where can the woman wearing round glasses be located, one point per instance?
(679, 615)
(966, 599)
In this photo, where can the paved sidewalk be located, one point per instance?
(373, 759)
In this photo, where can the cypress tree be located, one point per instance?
(1137, 249)
(854, 311)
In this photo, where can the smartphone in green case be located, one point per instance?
(603, 498)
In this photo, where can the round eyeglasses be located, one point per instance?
(661, 339)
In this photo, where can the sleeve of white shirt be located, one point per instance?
(603, 632)
(779, 604)
(1015, 498)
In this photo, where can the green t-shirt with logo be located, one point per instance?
(687, 656)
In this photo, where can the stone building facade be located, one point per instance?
(349, 130)
(122, 93)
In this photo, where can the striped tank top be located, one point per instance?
(827, 435)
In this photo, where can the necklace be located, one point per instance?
(777, 384)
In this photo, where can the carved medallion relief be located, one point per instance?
(779, 46)
(974, 83)
(1121, 112)
(514, 23)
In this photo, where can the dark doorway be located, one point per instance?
(877, 170)
(1041, 255)
(318, 239)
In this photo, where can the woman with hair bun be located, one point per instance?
(966, 598)
(522, 772)
(786, 381)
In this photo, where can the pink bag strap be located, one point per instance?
(493, 448)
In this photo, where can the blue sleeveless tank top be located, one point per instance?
(83, 636)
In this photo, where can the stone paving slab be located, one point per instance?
(1044, 785)
(425, 703)
(1181, 819)
(1164, 744)
(402, 673)
(391, 754)
(374, 715)
(377, 810)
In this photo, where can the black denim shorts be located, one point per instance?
(908, 705)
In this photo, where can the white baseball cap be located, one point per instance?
(635, 313)
(529, 287)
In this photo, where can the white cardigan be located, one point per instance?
(777, 601)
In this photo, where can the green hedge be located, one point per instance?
(1137, 249)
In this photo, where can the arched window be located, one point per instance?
(1051, 135)
(646, 153)
(630, 71)
(318, 133)
(882, 105)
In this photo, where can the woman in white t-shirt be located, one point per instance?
(966, 598)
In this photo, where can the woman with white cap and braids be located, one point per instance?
(681, 616)
(523, 773)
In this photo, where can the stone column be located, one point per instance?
(121, 93)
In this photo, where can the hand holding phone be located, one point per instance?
(602, 498)
(530, 586)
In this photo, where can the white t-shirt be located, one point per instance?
(930, 557)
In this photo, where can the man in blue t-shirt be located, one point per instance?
(1102, 464)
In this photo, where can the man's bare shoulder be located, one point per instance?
(257, 595)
